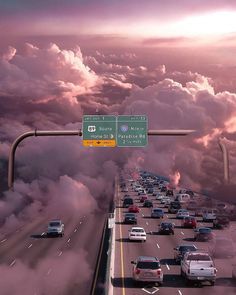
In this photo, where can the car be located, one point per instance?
(55, 228)
(157, 213)
(150, 191)
(203, 234)
(174, 207)
(169, 192)
(126, 196)
(166, 228)
(128, 202)
(141, 192)
(182, 198)
(147, 269)
(182, 213)
(180, 250)
(165, 199)
(133, 209)
(160, 196)
(189, 222)
(143, 198)
(163, 189)
(130, 218)
(137, 234)
(209, 215)
(221, 221)
(148, 204)
(189, 192)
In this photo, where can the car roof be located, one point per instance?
(137, 227)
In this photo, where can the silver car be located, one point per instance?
(147, 269)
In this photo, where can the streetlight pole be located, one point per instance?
(225, 160)
(11, 162)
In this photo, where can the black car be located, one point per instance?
(130, 218)
(174, 207)
(127, 202)
(166, 228)
(169, 192)
(163, 189)
(181, 250)
(203, 234)
(148, 204)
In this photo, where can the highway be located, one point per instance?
(162, 246)
(32, 263)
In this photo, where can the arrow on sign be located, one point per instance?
(98, 142)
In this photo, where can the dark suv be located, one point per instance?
(130, 218)
(127, 202)
(174, 207)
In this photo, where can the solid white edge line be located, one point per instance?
(167, 266)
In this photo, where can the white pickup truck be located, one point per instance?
(55, 227)
(199, 267)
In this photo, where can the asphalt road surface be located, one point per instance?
(162, 246)
(47, 261)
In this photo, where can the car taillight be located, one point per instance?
(137, 271)
(158, 272)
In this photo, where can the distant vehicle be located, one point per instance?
(198, 267)
(130, 218)
(189, 192)
(143, 198)
(126, 196)
(160, 196)
(127, 202)
(182, 213)
(55, 227)
(221, 221)
(209, 215)
(157, 213)
(182, 198)
(133, 209)
(148, 204)
(174, 207)
(141, 192)
(181, 250)
(147, 269)
(137, 234)
(166, 228)
(165, 199)
(169, 192)
(189, 222)
(222, 248)
(203, 234)
(150, 191)
(163, 189)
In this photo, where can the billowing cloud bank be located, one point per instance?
(51, 88)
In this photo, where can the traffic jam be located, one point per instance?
(171, 239)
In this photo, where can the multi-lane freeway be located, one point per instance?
(162, 246)
(32, 263)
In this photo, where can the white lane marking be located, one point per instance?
(59, 254)
(68, 241)
(49, 271)
(42, 234)
(167, 266)
(146, 223)
(167, 216)
(180, 293)
(150, 292)
(182, 233)
(2, 241)
(80, 222)
(158, 246)
(30, 246)
(142, 214)
(13, 262)
(75, 230)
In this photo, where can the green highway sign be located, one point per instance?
(132, 131)
(99, 130)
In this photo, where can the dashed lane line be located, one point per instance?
(2, 241)
(30, 246)
(180, 293)
(75, 230)
(158, 246)
(60, 253)
(167, 266)
(13, 262)
(182, 233)
(68, 241)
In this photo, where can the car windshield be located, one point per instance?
(54, 223)
(166, 225)
(187, 248)
(129, 215)
(204, 230)
(137, 230)
(202, 257)
(148, 265)
(157, 210)
(128, 201)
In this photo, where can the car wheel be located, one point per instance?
(212, 283)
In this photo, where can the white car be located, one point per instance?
(182, 213)
(55, 227)
(137, 234)
(209, 215)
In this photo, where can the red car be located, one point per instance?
(143, 198)
(133, 209)
(189, 221)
